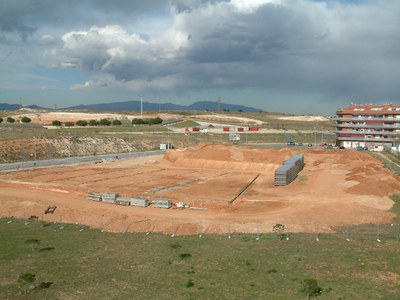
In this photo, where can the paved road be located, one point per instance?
(74, 160)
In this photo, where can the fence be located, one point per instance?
(379, 233)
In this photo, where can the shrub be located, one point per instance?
(10, 120)
(185, 255)
(311, 288)
(26, 278)
(69, 124)
(44, 285)
(105, 122)
(189, 283)
(175, 245)
(81, 123)
(1, 120)
(116, 122)
(56, 123)
(25, 120)
(93, 123)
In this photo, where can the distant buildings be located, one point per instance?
(372, 126)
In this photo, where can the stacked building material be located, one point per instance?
(289, 170)
(161, 203)
(123, 201)
(109, 197)
(94, 197)
(139, 201)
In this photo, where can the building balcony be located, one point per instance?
(392, 133)
(354, 119)
(373, 126)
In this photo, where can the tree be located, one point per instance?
(1, 120)
(93, 123)
(311, 288)
(137, 121)
(26, 120)
(105, 122)
(81, 123)
(56, 123)
(10, 120)
(116, 122)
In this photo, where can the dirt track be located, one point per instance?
(335, 188)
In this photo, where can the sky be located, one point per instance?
(291, 56)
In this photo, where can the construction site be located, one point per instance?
(209, 188)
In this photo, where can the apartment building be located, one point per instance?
(372, 126)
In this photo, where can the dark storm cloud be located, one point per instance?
(338, 49)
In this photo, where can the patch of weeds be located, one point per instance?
(185, 255)
(33, 217)
(247, 263)
(272, 271)
(189, 283)
(44, 285)
(32, 241)
(252, 284)
(26, 277)
(46, 225)
(192, 271)
(175, 245)
(46, 249)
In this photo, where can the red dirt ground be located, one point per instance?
(335, 188)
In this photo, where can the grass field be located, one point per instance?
(79, 263)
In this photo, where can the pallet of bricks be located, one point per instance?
(109, 197)
(161, 203)
(289, 170)
(94, 197)
(139, 201)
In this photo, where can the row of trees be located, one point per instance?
(106, 122)
(12, 120)
(102, 122)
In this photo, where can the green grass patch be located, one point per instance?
(91, 264)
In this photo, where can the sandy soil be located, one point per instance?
(336, 188)
(305, 118)
(234, 119)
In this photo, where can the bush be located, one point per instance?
(56, 123)
(116, 122)
(1, 120)
(185, 255)
(26, 120)
(69, 124)
(311, 288)
(93, 123)
(44, 285)
(26, 278)
(10, 120)
(105, 122)
(150, 121)
(81, 123)
(189, 283)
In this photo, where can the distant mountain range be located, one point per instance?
(147, 106)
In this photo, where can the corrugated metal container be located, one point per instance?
(195, 129)
(94, 197)
(139, 201)
(161, 203)
(123, 201)
(240, 129)
(109, 197)
(226, 128)
(253, 128)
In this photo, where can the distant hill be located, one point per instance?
(149, 106)
(6, 106)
